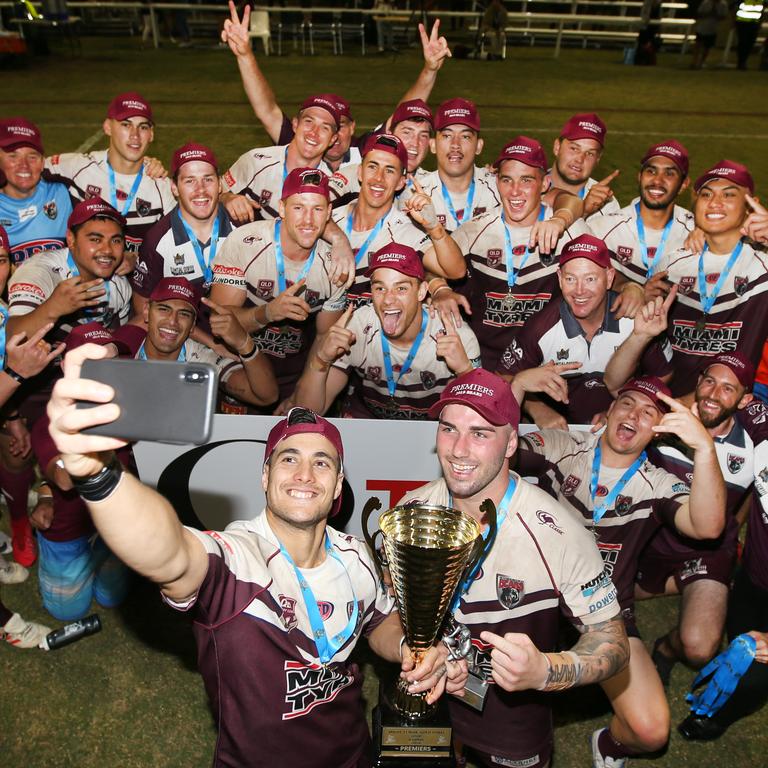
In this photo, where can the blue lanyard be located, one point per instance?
(113, 189)
(285, 165)
(708, 301)
(509, 256)
(583, 192)
(3, 325)
(326, 647)
(280, 260)
(363, 249)
(75, 272)
(182, 358)
(467, 214)
(204, 263)
(650, 267)
(599, 511)
(391, 383)
(500, 518)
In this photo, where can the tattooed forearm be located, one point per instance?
(564, 671)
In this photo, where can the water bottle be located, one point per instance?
(69, 633)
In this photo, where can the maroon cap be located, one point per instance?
(191, 153)
(414, 109)
(484, 392)
(326, 101)
(586, 247)
(93, 333)
(89, 209)
(672, 150)
(319, 426)
(401, 258)
(741, 366)
(387, 142)
(20, 132)
(457, 112)
(650, 386)
(586, 126)
(5, 243)
(301, 180)
(729, 171)
(179, 288)
(129, 105)
(525, 150)
(342, 105)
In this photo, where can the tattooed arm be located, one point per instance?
(518, 665)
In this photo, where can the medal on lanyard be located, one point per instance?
(205, 264)
(327, 647)
(651, 266)
(182, 357)
(3, 325)
(599, 510)
(113, 189)
(75, 272)
(509, 258)
(466, 214)
(391, 381)
(707, 301)
(363, 249)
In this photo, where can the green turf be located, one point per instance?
(130, 697)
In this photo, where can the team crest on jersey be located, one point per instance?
(178, 259)
(763, 475)
(758, 412)
(312, 297)
(509, 591)
(251, 239)
(562, 354)
(623, 504)
(265, 196)
(494, 257)
(360, 612)
(428, 379)
(50, 209)
(735, 463)
(325, 608)
(624, 254)
(143, 207)
(740, 285)
(547, 259)
(264, 288)
(685, 286)
(288, 611)
(373, 372)
(570, 484)
(92, 191)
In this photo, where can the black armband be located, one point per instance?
(101, 485)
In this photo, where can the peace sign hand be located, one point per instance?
(435, 48)
(235, 32)
(449, 347)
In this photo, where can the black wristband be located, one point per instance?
(101, 485)
(251, 355)
(16, 376)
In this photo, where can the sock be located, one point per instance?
(610, 747)
(15, 487)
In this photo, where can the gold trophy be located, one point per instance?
(429, 550)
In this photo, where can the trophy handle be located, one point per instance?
(370, 507)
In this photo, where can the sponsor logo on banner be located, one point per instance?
(509, 591)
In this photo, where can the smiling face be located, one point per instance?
(415, 135)
(719, 394)
(575, 160)
(456, 148)
(129, 138)
(661, 181)
(521, 188)
(380, 175)
(197, 188)
(338, 149)
(97, 248)
(304, 218)
(720, 207)
(315, 132)
(584, 286)
(630, 420)
(22, 167)
(301, 479)
(169, 324)
(397, 302)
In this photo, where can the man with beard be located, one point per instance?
(644, 234)
(403, 355)
(702, 571)
(622, 499)
(577, 152)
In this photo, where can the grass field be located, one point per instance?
(130, 697)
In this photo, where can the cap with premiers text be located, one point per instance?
(191, 153)
(727, 170)
(301, 180)
(650, 386)
(177, 288)
(672, 150)
(457, 112)
(93, 207)
(401, 258)
(584, 126)
(130, 104)
(326, 101)
(387, 142)
(586, 247)
(524, 150)
(20, 132)
(413, 109)
(740, 365)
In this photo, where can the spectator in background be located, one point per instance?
(749, 18)
(494, 26)
(709, 14)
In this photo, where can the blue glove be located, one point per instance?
(728, 668)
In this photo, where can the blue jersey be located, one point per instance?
(36, 223)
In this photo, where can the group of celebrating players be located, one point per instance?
(332, 273)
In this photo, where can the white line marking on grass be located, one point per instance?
(90, 141)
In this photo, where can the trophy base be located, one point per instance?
(401, 743)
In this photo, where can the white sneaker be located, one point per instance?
(12, 573)
(598, 760)
(25, 634)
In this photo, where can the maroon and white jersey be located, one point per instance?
(738, 319)
(34, 282)
(419, 387)
(619, 232)
(259, 174)
(542, 564)
(397, 228)
(88, 176)
(255, 642)
(247, 262)
(486, 198)
(651, 497)
(497, 316)
(555, 334)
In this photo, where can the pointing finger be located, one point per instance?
(755, 205)
(213, 306)
(675, 405)
(291, 291)
(345, 318)
(610, 177)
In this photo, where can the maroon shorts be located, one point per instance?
(655, 567)
(539, 760)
